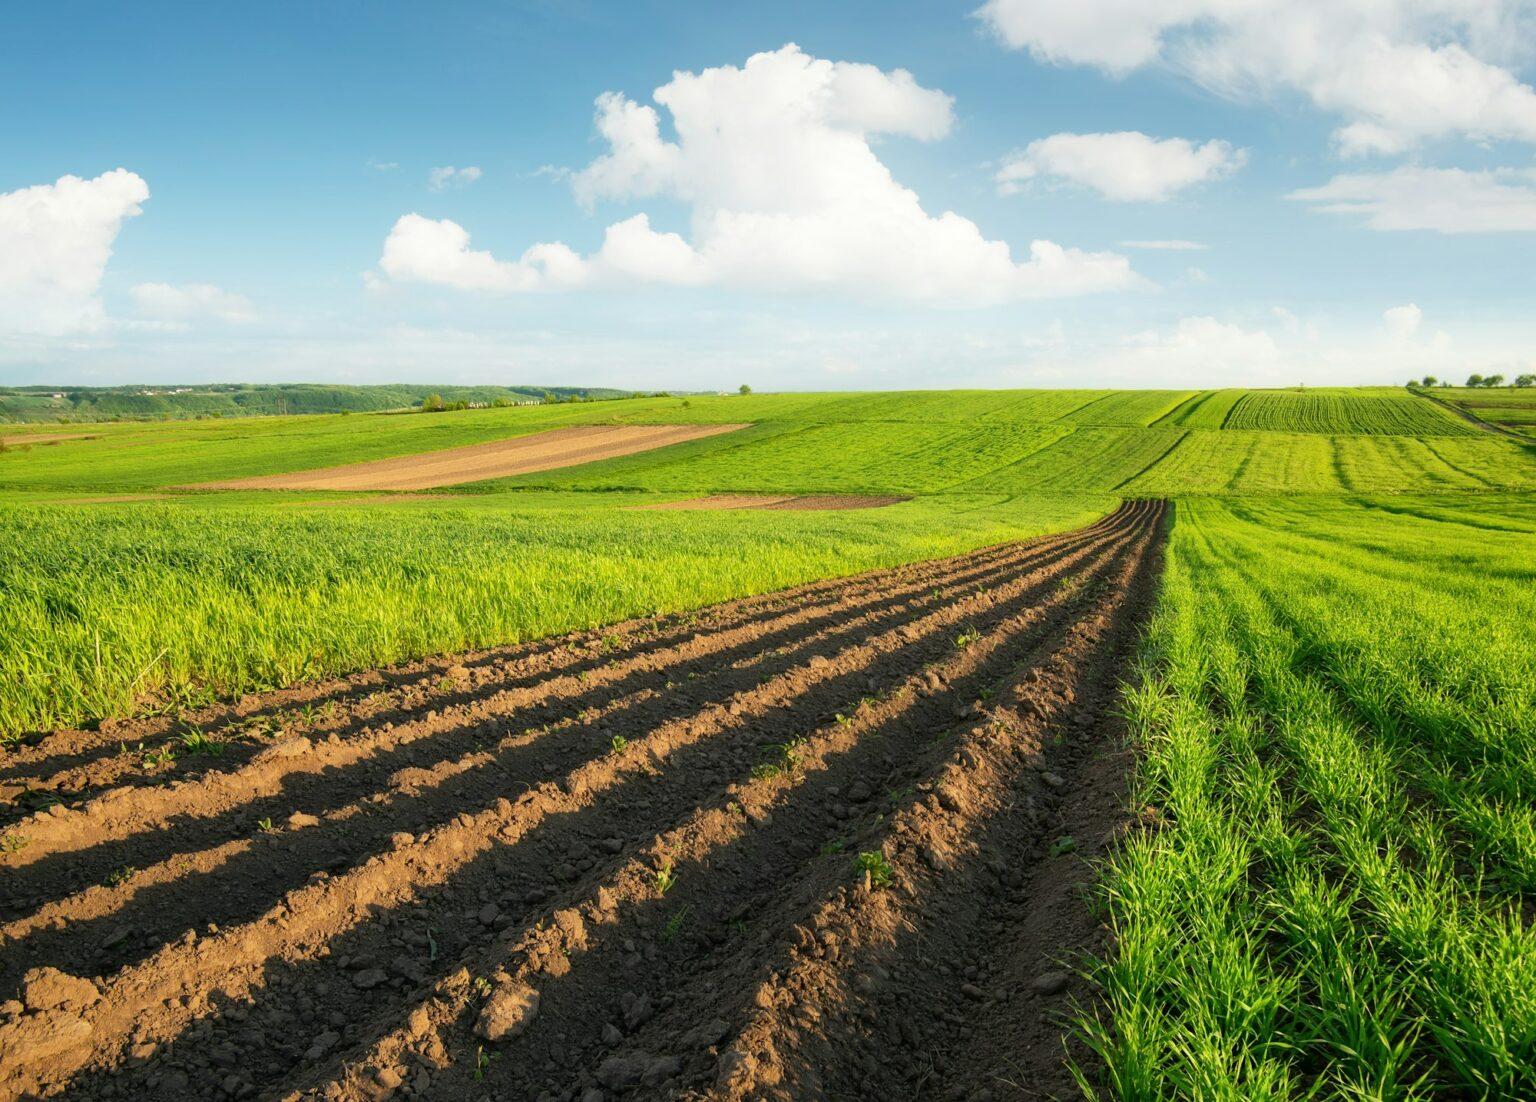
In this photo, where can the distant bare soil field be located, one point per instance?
(27, 438)
(782, 501)
(542, 451)
(804, 845)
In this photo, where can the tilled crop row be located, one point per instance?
(673, 859)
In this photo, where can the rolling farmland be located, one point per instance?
(1393, 413)
(917, 442)
(1153, 744)
(1512, 409)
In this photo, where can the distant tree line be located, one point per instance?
(175, 402)
(1473, 380)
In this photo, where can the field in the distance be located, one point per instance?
(1510, 408)
(250, 578)
(334, 810)
(1131, 442)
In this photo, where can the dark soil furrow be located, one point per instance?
(334, 776)
(52, 757)
(278, 860)
(956, 983)
(352, 955)
(735, 864)
(489, 694)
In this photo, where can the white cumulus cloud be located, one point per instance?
(447, 176)
(55, 241)
(191, 301)
(1447, 200)
(1403, 321)
(785, 192)
(1202, 348)
(1397, 72)
(1126, 166)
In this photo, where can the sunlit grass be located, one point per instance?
(1336, 706)
(113, 607)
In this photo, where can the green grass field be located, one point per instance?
(1512, 408)
(1334, 707)
(113, 607)
(1144, 442)
(274, 591)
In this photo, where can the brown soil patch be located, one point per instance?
(781, 501)
(618, 864)
(541, 451)
(23, 439)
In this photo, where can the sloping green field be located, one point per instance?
(1334, 707)
(1134, 442)
(1385, 413)
(112, 606)
(1512, 408)
(253, 578)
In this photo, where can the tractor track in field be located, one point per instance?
(652, 827)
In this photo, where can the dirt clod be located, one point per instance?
(47, 988)
(509, 1010)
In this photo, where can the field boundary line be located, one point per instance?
(1226, 418)
(1472, 418)
(1197, 397)
(1164, 454)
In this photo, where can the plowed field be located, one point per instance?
(825, 843)
(540, 451)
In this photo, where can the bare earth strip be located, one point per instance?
(617, 865)
(542, 451)
(21, 440)
(782, 501)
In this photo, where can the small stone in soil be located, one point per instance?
(620, 1073)
(369, 978)
(1049, 983)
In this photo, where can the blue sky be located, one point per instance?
(284, 147)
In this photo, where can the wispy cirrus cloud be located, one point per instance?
(441, 179)
(1444, 200)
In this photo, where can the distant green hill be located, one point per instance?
(177, 402)
(1146, 443)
